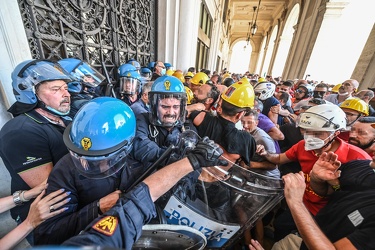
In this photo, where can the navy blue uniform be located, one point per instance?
(28, 141)
(151, 141)
(85, 194)
(121, 226)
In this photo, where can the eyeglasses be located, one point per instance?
(300, 91)
(319, 93)
(161, 66)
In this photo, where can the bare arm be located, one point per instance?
(311, 234)
(162, 180)
(39, 212)
(273, 116)
(262, 165)
(7, 203)
(277, 159)
(276, 134)
(34, 176)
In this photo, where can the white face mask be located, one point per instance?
(312, 142)
(163, 71)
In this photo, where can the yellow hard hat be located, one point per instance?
(189, 75)
(356, 104)
(261, 79)
(189, 95)
(226, 75)
(179, 75)
(169, 72)
(199, 78)
(240, 94)
(244, 80)
(335, 89)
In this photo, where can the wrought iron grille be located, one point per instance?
(112, 31)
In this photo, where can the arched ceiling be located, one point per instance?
(241, 14)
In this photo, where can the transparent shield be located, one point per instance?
(227, 200)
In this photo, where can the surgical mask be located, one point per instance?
(312, 142)
(163, 71)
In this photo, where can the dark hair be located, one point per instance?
(288, 83)
(191, 69)
(322, 85)
(284, 97)
(228, 81)
(252, 112)
(231, 110)
(317, 101)
(214, 92)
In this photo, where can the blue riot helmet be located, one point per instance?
(130, 83)
(28, 74)
(168, 66)
(82, 72)
(100, 137)
(151, 66)
(133, 62)
(167, 102)
(125, 68)
(75, 87)
(146, 72)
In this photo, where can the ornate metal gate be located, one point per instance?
(112, 31)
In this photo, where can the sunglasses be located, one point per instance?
(300, 91)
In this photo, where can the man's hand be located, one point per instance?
(206, 154)
(294, 187)
(326, 167)
(261, 150)
(108, 201)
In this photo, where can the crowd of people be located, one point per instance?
(102, 154)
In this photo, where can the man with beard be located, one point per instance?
(207, 94)
(347, 89)
(161, 127)
(362, 134)
(32, 142)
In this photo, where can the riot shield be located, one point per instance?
(227, 201)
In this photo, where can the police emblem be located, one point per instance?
(106, 226)
(167, 85)
(86, 143)
(129, 74)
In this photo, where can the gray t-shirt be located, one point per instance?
(262, 138)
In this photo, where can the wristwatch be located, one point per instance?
(17, 198)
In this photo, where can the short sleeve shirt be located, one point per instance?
(346, 152)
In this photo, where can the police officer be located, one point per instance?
(161, 127)
(31, 143)
(96, 170)
(129, 84)
(85, 86)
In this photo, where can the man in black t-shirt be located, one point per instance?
(347, 221)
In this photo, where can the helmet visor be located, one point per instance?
(88, 76)
(101, 166)
(129, 86)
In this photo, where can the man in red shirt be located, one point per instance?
(320, 126)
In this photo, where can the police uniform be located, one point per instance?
(85, 194)
(139, 107)
(225, 133)
(28, 141)
(151, 141)
(121, 226)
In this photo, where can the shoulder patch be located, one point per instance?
(106, 225)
